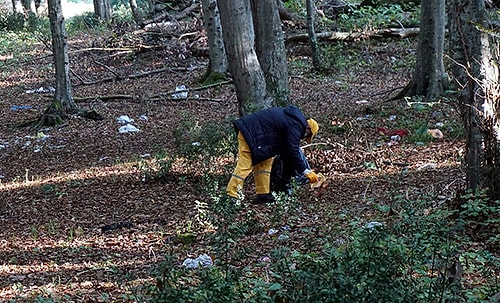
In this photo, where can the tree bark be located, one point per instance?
(102, 10)
(218, 66)
(270, 49)
(135, 12)
(29, 6)
(429, 73)
(477, 74)
(63, 100)
(17, 7)
(244, 66)
(313, 41)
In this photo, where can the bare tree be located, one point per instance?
(270, 48)
(476, 72)
(429, 73)
(218, 66)
(63, 103)
(102, 9)
(256, 54)
(313, 41)
(244, 66)
(135, 12)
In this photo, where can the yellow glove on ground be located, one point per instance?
(313, 178)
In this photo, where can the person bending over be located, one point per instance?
(263, 135)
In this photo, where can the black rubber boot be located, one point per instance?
(263, 199)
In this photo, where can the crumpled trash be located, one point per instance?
(183, 94)
(397, 132)
(124, 119)
(203, 260)
(435, 133)
(426, 166)
(283, 237)
(321, 180)
(272, 231)
(19, 107)
(41, 90)
(127, 129)
(373, 225)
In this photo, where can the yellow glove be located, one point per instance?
(313, 178)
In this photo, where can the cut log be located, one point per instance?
(346, 36)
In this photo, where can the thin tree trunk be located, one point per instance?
(17, 7)
(217, 53)
(313, 41)
(63, 96)
(135, 12)
(102, 9)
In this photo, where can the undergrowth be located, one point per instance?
(411, 250)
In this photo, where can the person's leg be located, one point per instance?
(262, 176)
(242, 169)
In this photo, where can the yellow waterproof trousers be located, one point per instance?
(261, 171)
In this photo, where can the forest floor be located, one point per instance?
(80, 224)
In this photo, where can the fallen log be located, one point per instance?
(347, 36)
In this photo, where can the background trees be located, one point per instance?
(84, 169)
(256, 54)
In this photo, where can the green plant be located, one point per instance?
(84, 23)
(369, 17)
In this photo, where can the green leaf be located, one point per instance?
(275, 286)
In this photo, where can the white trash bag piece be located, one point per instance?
(129, 128)
(183, 94)
(124, 119)
(202, 261)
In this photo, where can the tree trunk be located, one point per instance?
(29, 6)
(102, 10)
(244, 66)
(17, 7)
(313, 41)
(477, 74)
(63, 100)
(218, 60)
(135, 12)
(429, 74)
(270, 48)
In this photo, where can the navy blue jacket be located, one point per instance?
(275, 131)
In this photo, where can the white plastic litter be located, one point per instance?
(373, 225)
(124, 119)
(183, 93)
(283, 237)
(127, 129)
(41, 90)
(272, 231)
(203, 260)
